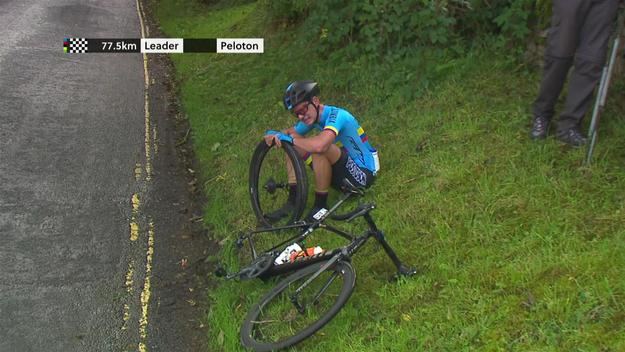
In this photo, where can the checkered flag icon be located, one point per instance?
(77, 46)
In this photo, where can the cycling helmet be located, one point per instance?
(298, 92)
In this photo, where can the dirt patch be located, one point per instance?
(182, 248)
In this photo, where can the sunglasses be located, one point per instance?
(302, 110)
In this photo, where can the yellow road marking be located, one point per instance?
(126, 316)
(129, 275)
(134, 231)
(146, 293)
(134, 226)
(150, 144)
(135, 202)
(138, 171)
(128, 284)
(154, 140)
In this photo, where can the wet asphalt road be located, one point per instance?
(72, 154)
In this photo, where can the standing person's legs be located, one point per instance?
(589, 61)
(561, 44)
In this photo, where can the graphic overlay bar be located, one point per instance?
(200, 45)
(75, 45)
(118, 45)
(240, 45)
(164, 45)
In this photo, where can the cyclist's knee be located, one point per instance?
(319, 157)
(333, 154)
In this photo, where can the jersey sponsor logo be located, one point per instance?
(356, 172)
(333, 114)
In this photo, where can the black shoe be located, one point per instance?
(572, 137)
(279, 214)
(540, 128)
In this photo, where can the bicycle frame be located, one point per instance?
(307, 227)
(341, 253)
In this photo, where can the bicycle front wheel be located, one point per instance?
(284, 317)
(269, 184)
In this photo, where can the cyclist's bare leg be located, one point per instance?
(292, 179)
(322, 167)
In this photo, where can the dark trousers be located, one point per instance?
(579, 35)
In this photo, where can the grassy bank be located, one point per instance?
(520, 247)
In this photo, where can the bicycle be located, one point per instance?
(311, 295)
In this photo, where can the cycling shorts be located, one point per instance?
(345, 167)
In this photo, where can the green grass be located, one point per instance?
(521, 247)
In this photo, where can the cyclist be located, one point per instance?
(340, 150)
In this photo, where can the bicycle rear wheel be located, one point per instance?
(276, 322)
(269, 184)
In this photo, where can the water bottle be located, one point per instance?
(285, 255)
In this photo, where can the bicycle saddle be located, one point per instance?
(348, 187)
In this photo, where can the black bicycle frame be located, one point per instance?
(343, 253)
(309, 228)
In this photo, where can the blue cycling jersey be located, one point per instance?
(349, 134)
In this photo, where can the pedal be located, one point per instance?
(239, 241)
(220, 271)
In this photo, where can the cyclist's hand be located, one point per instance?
(270, 137)
(277, 137)
(285, 137)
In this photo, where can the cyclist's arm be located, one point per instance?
(317, 144)
(291, 131)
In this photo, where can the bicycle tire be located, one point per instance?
(260, 175)
(278, 299)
